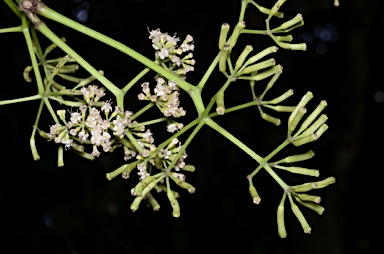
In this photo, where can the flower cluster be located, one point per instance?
(166, 98)
(167, 51)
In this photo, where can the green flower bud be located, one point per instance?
(183, 184)
(281, 108)
(260, 55)
(44, 134)
(305, 140)
(259, 66)
(312, 116)
(255, 196)
(290, 23)
(152, 201)
(235, 34)
(174, 204)
(223, 35)
(299, 170)
(291, 46)
(61, 114)
(302, 187)
(60, 155)
(151, 185)
(32, 144)
(268, 11)
(26, 72)
(299, 157)
(282, 97)
(241, 59)
(321, 130)
(137, 190)
(287, 38)
(315, 207)
(280, 218)
(189, 168)
(304, 224)
(336, 3)
(77, 147)
(306, 98)
(296, 119)
(266, 74)
(223, 57)
(116, 172)
(164, 188)
(271, 119)
(276, 7)
(306, 197)
(324, 183)
(311, 129)
(136, 203)
(85, 155)
(220, 109)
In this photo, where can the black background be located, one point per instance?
(74, 209)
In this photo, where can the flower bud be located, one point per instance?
(336, 3)
(220, 109)
(311, 198)
(282, 97)
(281, 108)
(280, 218)
(174, 204)
(296, 119)
(183, 184)
(304, 224)
(287, 38)
(259, 66)
(271, 119)
(32, 143)
(60, 155)
(324, 183)
(321, 130)
(299, 170)
(26, 72)
(299, 157)
(305, 140)
(137, 190)
(312, 116)
(268, 11)
(241, 59)
(223, 35)
(116, 172)
(152, 201)
(291, 46)
(235, 34)
(151, 185)
(290, 23)
(136, 203)
(223, 57)
(189, 168)
(261, 54)
(315, 207)
(164, 188)
(306, 98)
(276, 7)
(266, 74)
(255, 196)
(311, 129)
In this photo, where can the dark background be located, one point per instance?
(75, 209)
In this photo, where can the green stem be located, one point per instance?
(35, 154)
(208, 73)
(252, 31)
(11, 29)
(51, 14)
(233, 139)
(29, 98)
(245, 105)
(255, 171)
(244, 4)
(186, 143)
(276, 177)
(13, 7)
(55, 39)
(133, 81)
(50, 109)
(278, 149)
(133, 141)
(32, 55)
(69, 103)
(141, 111)
(149, 122)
